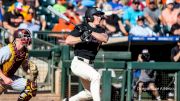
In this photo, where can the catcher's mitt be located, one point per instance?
(33, 71)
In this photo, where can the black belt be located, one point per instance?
(84, 60)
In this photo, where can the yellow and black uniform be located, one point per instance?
(13, 63)
(10, 60)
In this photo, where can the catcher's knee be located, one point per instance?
(29, 91)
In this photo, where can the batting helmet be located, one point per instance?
(90, 12)
(24, 34)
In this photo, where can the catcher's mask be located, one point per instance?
(90, 12)
(24, 35)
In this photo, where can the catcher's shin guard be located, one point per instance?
(1, 89)
(29, 91)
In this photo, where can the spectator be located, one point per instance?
(147, 77)
(141, 29)
(169, 15)
(59, 6)
(87, 3)
(20, 5)
(80, 9)
(115, 4)
(161, 4)
(115, 21)
(177, 4)
(149, 1)
(32, 3)
(103, 5)
(70, 13)
(30, 14)
(175, 29)
(175, 52)
(153, 13)
(110, 28)
(131, 14)
(141, 5)
(15, 5)
(12, 20)
(42, 20)
(28, 22)
(64, 25)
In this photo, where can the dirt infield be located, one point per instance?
(39, 97)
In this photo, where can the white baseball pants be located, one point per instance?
(90, 79)
(18, 84)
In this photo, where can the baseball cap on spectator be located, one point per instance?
(18, 6)
(140, 18)
(169, 2)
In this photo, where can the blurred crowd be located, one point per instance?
(128, 17)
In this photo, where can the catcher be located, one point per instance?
(12, 57)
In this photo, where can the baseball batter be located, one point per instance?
(87, 39)
(11, 57)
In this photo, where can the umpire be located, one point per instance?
(87, 39)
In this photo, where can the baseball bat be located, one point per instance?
(60, 15)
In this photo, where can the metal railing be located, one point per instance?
(41, 40)
(166, 66)
(3, 34)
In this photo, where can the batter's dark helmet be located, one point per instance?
(90, 12)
